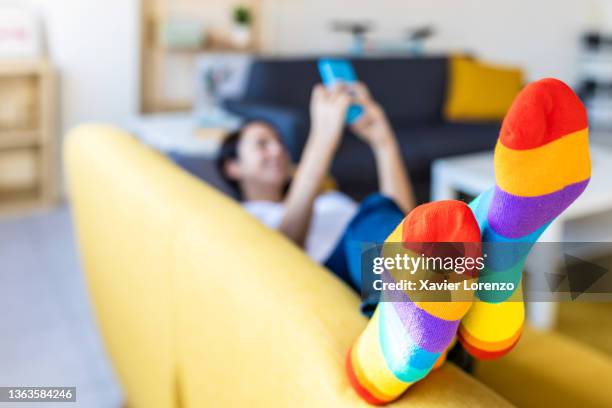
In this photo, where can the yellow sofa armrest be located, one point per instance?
(549, 369)
(122, 198)
(201, 305)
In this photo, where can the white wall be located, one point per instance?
(539, 35)
(94, 44)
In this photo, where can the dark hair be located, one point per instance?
(229, 151)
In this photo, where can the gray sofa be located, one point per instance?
(412, 91)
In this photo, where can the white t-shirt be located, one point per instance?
(331, 214)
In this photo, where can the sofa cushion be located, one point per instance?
(292, 124)
(480, 92)
(205, 169)
(537, 373)
(410, 89)
(420, 146)
(286, 82)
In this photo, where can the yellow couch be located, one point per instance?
(200, 305)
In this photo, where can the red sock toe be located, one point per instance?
(544, 111)
(441, 221)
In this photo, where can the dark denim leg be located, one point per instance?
(376, 218)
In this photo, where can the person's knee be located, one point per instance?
(378, 200)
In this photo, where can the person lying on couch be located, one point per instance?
(328, 225)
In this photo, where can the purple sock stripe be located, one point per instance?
(514, 216)
(428, 332)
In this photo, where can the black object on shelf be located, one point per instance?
(594, 85)
(358, 29)
(420, 33)
(593, 41)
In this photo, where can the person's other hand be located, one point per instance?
(372, 126)
(328, 112)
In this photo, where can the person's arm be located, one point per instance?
(374, 128)
(327, 111)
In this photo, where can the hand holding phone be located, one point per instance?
(333, 71)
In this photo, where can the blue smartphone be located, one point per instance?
(339, 70)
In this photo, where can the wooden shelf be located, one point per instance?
(174, 106)
(16, 201)
(203, 50)
(28, 151)
(158, 62)
(10, 139)
(23, 67)
(20, 207)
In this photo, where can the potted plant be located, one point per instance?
(241, 33)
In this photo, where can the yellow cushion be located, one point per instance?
(480, 92)
(550, 370)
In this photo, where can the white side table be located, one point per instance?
(601, 137)
(589, 219)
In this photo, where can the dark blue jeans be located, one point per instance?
(376, 218)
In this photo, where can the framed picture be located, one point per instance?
(20, 33)
(219, 76)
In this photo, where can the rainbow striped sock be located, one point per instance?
(542, 165)
(405, 339)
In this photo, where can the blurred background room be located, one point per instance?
(178, 75)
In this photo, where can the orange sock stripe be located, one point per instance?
(489, 345)
(484, 354)
(361, 390)
(440, 361)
